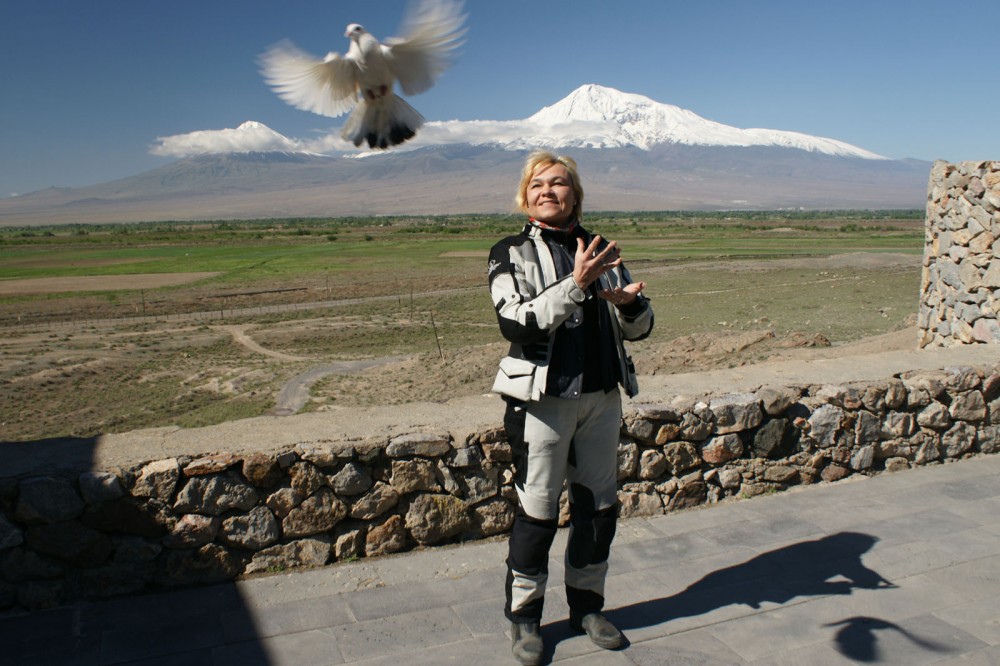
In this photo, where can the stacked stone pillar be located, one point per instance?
(960, 287)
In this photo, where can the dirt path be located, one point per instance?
(240, 336)
(295, 394)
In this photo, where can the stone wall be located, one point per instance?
(960, 289)
(186, 521)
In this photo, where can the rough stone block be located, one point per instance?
(388, 537)
(434, 518)
(71, 542)
(193, 530)
(212, 464)
(208, 564)
(628, 460)
(10, 534)
(158, 480)
(215, 494)
(306, 478)
(47, 499)
(645, 502)
(317, 513)
(682, 457)
(736, 412)
(413, 475)
(934, 415)
(968, 407)
(261, 470)
(652, 464)
(313, 552)
(253, 531)
(775, 400)
(97, 487)
(493, 517)
(352, 480)
(958, 440)
(375, 502)
(418, 444)
(824, 425)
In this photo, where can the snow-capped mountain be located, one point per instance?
(594, 116)
(251, 136)
(634, 154)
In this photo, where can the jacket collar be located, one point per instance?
(536, 229)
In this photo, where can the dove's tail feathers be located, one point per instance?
(382, 122)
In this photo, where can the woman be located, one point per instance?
(565, 302)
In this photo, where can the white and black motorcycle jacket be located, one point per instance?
(557, 330)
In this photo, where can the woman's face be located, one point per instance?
(550, 197)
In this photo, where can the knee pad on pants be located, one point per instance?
(530, 541)
(593, 530)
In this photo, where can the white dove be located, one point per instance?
(363, 79)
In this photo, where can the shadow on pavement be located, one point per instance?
(857, 640)
(831, 565)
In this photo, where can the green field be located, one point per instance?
(93, 352)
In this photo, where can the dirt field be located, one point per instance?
(99, 282)
(97, 376)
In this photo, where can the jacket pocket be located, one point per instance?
(516, 378)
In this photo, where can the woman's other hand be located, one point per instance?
(623, 296)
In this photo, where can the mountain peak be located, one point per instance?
(592, 102)
(601, 117)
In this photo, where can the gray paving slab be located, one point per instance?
(920, 640)
(314, 647)
(158, 638)
(909, 597)
(286, 618)
(194, 658)
(979, 618)
(692, 648)
(484, 617)
(977, 579)
(399, 634)
(989, 656)
(483, 651)
(781, 629)
(896, 569)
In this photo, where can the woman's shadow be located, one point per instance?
(828, 566)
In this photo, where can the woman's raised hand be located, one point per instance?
(591, 264)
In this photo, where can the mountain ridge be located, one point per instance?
(634, 154)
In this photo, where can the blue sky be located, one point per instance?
(88, 87)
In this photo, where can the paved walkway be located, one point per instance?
(901, 568)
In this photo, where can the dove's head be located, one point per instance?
(354, 31)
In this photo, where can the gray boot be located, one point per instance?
(526, 643)
(600, 630)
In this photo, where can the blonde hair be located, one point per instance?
(544, 158)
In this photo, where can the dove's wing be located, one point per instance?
(431, 32)
(327, 87)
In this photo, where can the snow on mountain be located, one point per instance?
(594, 116)
(251, 136)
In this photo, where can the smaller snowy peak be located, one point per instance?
(601, 117)
(249, 137)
